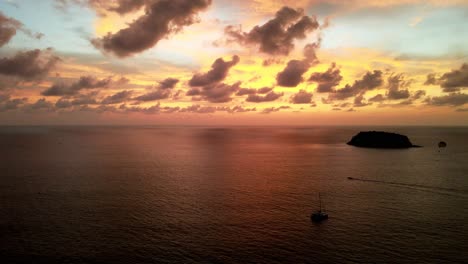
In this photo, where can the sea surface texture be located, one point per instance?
(230, 195)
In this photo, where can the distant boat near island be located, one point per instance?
(381, 140)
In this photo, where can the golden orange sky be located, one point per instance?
(250, 62)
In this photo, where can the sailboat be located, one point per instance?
(319, 215)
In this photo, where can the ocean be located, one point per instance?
(230, 195)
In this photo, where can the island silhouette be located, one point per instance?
(379, 139)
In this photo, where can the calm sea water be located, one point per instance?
(230, 195)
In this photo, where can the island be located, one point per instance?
(382, 140)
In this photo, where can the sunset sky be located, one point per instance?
(253, 62)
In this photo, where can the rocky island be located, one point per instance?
(378, 139)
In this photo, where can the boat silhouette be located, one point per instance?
(319, 215)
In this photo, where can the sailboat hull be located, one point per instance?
(319, 217)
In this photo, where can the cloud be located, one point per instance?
(454, 99)
(215, 93)
(85, 82)
(369, 81)
(117, 98)
(239, 109)
(431, 79)
(302, 97)
(40, 104)
(291, 76)
(269, 97)
(275, 109)
(208, 86)
(271, 61)
(248, 91)
(153, 96)
(127, 6)
(77, 100)
(212, 109)
(8, 28)
(219, 71)
(168, 83)
(395, 84)
(359, 101)
(7, 103)
(63, 103)
(377, 99)
(398, 94)
(29, 65)
(155, 109)
(102, 6)
(418, 94)
(455, 80)
(276, 37)
(327, 81)
(199, 109)
(161, 18)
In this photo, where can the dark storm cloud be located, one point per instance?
(369, 81)
(302, 97)
(276, 37)
(327, 81)
(85, 82)
(29, 65)
(269, 97)
(161, 18)
(219, 71)
(117, 98)
(397, 87)
(454, 99)
(215, 93)
(168, 83)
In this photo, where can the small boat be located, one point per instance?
(350, 178)
(442, 144)
(319, 215)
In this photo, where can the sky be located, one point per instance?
(223, 62)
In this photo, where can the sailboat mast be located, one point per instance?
(320, 201)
